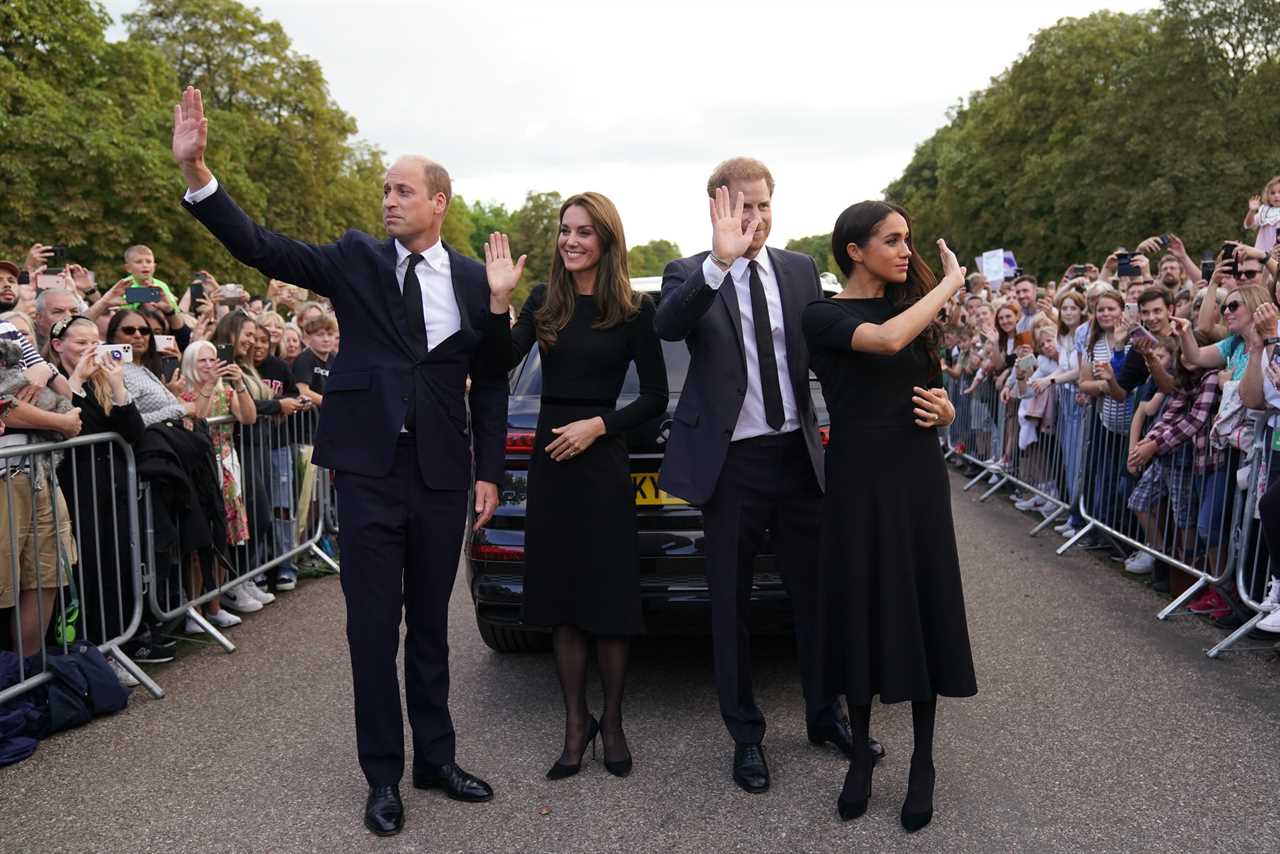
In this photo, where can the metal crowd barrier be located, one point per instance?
(269, 463)
(1254, 567)
(84, 530)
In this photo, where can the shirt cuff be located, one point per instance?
(712, 274)
(195, 197)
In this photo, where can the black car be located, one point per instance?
(674, 594)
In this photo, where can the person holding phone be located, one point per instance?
(895, 603)
(140, 265)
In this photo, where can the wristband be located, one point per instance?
(719, 262)
(1270, 342)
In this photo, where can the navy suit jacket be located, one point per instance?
(367, 393)
(709, 322)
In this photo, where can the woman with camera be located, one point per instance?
(890, 567)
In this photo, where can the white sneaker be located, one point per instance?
(126, 678)
(995, 478)
(224, 619)
(239, 599)
(1067, 532)
(191, 627)
(1139, 563)
(263, 596)
(1031, 502)
(1272, 600)
(1271, 622)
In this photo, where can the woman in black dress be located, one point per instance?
(581, 572)
(896, 609)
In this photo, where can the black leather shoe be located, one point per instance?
(750, 771)
(457, 784)
(837, 733)
(383, 812)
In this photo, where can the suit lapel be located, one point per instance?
(459, 288)
(728, 295)
(790, 320)
(392, 298)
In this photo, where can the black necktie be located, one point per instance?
(417, 324)
(769, 388)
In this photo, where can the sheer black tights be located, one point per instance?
(571, 646)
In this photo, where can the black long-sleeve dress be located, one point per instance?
(581, 564)
(891, 574)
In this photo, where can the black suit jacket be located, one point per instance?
(367, 393)
(709, 322)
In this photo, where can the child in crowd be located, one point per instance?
(140, 264)
(1264, 215)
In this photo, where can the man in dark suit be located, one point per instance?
(417, 319)
(744, 446)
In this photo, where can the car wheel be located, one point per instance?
(503, 639)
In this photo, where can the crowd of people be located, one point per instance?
(1138, 395)
(215, 390)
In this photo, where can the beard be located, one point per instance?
(7, 304)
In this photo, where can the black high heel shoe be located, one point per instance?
(616, 767)
(854, 781)
(561, 770)
(917, 809)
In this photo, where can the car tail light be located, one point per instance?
(824, 433)
(485, 551)
(520, 441)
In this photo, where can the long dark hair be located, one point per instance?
(614, 299)
(857, 225)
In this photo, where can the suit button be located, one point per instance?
(404, 398)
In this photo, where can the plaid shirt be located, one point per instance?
(1189, 415)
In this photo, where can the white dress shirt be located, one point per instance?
(751, 420)
(439, 305)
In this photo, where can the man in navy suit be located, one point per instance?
(417, 319)
(744, 445)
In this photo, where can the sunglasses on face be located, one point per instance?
(1231, 306)
(1247, 274)
(136, 330)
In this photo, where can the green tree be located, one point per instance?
(487, 219)
(459, 227)
(533, 229)
(1109, 129)
(817, 247)
(650, 259)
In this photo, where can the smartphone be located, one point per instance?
(45, 280)
(1024, 339)
(59, 256)
(1076, 271)
(1131, 312)
(1206, 269)
(150, 293)
(196, 289)
(1026, 364)
(115, 353)
(1228, 249)
(226, 353)
(1125, 266)
(164, 342)
(1164, 241)
(232, 294)
(1143, 332)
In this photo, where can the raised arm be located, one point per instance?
(275, 255)
(899, 331)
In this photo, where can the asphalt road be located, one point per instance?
(1096, 728)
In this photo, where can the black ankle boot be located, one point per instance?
(917, 809)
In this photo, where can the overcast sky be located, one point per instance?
(639, 101)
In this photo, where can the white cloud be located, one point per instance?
(640, 101)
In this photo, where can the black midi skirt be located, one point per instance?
(895, 616)
(581, 562)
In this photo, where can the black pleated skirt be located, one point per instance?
(895, 617)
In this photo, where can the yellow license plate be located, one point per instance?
(647, 492)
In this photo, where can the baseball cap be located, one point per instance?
(11, 267)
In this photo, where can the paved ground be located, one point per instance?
(1096, 729)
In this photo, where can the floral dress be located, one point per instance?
(224, 447)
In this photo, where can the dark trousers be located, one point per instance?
(400, 543)
(766, 483)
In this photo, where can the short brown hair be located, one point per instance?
(323, 323)
(739, 169)
(438, 180)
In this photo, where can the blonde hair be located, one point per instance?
(1266, 190)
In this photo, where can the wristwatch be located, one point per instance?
(1270, 342)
